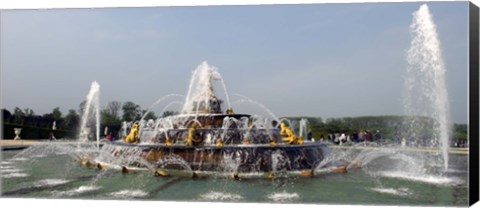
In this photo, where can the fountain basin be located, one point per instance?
(236, 159)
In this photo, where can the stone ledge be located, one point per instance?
(10, 144)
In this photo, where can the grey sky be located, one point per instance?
(327, 60)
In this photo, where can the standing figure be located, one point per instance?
(109, 137)
(378, 136)
(361, 136)
(51, 137)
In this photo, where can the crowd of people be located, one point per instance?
(460, 143)
(355, 137)
(367, 136)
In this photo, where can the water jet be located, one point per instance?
(426, 97)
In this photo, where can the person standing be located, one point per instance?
(368, 136)
(361, 136)
(378, 136)
(51, 137)
(109, 137)
(355, 137)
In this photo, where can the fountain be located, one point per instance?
(204, 140)
(423, 153)
(426, 100)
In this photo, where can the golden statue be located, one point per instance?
(273, 142)
(230, 111)
(132, 137)
(168, 142)
(289, 136)
(219, 142)
(192, 131)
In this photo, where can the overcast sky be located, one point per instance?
(326, 60)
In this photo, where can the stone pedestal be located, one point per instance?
(17, 132)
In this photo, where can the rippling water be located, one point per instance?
(58, 176)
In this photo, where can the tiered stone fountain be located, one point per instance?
(203, 139)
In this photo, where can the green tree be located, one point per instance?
(113, 108)
(169, 113)
(109, 116)
(57, 114)
(131, 111)
(460, 132)
(29, 112)
(18, 116)
(72, 120)
(108, 119)
(29, 117)
(150, 115)
(6, 115)
(47, 120)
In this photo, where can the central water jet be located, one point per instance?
(426, 94)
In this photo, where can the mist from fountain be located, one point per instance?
(425, 86)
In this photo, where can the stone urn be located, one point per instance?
(84, 134)
(17, 132)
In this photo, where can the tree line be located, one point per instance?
(111, 116)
